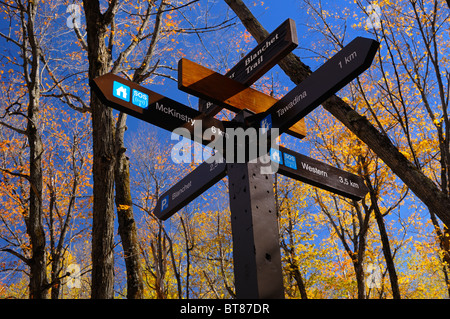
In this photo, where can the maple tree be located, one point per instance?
(425, 188)
(392, 102)
(131, 49)
(28, 110)
(101, 44)
(68, 164)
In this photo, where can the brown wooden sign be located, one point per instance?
(334, 74)
(205, 83)
(316, 173)
(260, 60)
(258, 270)
(189, 188)
(266, 54)
(153, 108)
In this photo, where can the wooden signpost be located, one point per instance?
(266, 54)
(260, 60)
(316, 173)
(188, 188)
(142, 103)
(256, 250)
(334, 74)
(153, 108)
(202, 82)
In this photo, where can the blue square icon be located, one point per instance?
(290, 161)
(165, 203)
(276, 156)
(140, 99)
(266, 124)
(121, 91)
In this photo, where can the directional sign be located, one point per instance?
(154, 108)
(266, 54)
(189, 188)
(342, 68)
(260, 60)
(258, 268)
(205, 83)
(316, 173)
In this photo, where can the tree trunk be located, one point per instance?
(295, 271)
(360, 242)
(35, 228)
(103, 156)
(443, 237)
(127, 225)
(388, 255)
(359, 274)
(386, 246)
(423, 187)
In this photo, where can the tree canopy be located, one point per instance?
(79, 180)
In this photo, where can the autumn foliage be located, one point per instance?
(392, 244)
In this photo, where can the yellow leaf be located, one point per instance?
(123, 207)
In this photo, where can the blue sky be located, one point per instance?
(271, 14)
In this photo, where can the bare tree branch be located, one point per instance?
(14, 253)
(4, 170)
(142, 72)
(424, 188)
(64, 96)
(80, 37)
(18, 130)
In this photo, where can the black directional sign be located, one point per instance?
(256, 254)
(316, 173)
(260, 60)
(266, 54)
(154, 108)
(338, 71)
(189, 188)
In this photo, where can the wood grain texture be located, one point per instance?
(207, 84)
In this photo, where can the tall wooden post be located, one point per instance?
(254, 225)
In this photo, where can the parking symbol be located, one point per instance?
(121, 91)
(165, 203)
(290, 161)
